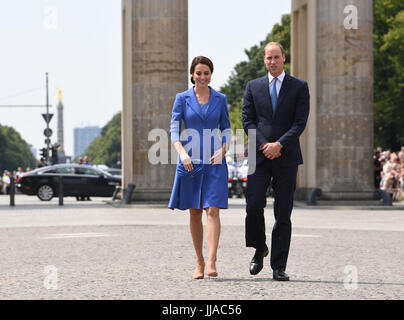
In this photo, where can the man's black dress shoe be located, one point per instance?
(280, 275)
(257, 262)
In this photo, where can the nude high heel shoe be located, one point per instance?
(211, 268)
(199, 270)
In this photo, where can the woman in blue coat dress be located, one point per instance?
(201, 175)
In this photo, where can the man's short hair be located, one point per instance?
(275, 43)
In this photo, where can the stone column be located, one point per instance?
(338, 142)
(303, 66)
(155, 68)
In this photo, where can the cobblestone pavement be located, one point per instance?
(91, 250)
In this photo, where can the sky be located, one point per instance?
(78, 43)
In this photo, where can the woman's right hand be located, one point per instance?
(186, 161)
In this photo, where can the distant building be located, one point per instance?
(83, 138)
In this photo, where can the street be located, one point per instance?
(94, 250)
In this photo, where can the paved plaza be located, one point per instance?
(94, 250)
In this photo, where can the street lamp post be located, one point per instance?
(47, 117)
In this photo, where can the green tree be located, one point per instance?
(235, 116)
(389, 73)
(14, 151)
(254, 68)
(106, 149)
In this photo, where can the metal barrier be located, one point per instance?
(128, 194)
(115, 195)
(387, 199)
(12, 192)
(313, 194)
(126, 199)
(60, 191)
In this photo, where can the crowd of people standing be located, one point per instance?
(83, 160)
(5, 182)
(389, 172)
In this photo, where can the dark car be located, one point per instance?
(114, 172)
(78, 180)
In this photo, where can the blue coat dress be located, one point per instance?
(204, 134)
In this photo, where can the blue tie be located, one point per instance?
(274, 95)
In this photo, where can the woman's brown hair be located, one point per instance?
(198, 60)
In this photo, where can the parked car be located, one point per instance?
(114, 171)
(242, 175)
(238, 182)
(232, 177)
(237, 177)
(78, 180)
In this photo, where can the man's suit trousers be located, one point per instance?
(283, 181)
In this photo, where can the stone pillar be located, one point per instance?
(303, 66)
(337, 62)
(155, 68)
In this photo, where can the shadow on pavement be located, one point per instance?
(53, 205)
(302, 281)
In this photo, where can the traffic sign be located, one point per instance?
(47, 117)
(47, 132)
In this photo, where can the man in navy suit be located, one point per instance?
(276, 108)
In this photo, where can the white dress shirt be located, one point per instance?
(278, 87)
(278, 82)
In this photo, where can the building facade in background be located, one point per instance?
(83, 138)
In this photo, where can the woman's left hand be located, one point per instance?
(218, 156)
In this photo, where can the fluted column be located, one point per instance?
(342, 101)
(155, 64)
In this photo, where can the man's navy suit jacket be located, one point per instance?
(285, 125)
